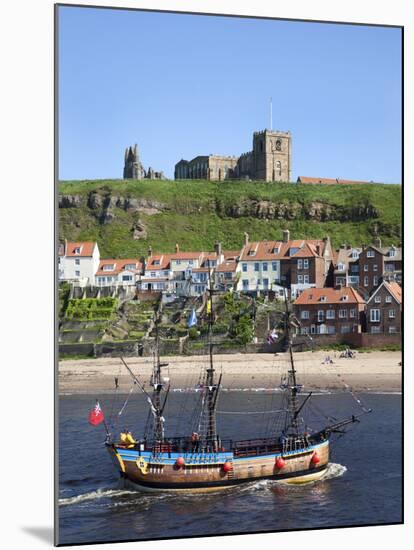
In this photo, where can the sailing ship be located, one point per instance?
(203, 461)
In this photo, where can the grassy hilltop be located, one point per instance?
(125, 216)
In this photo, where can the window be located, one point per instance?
(375, 330)
(265, 284)
(331, 329)
(370, 254)
(127, 277)
(304, 315)
(274, 266)
(344, 298)
(276, 250)
(343, 313)
(323, 298)
(388, 299)
(389, 267)
(177, 262)
(245, 284)
(321, 315)
(375, 267)
(190, 262)
(354, 254)
(354, 268)
(77, 273)
(352, 313)
(156, 262)
(300, 279)
(345, 329)
(392, 252)
(306, 279)
(264, 265)
(392, 329)
(365, 267)
(77, 250)
(108, 267)
(252, 252)
(300, 264)
(365, 281)
(257, 267)
(305, 264)
(377, 299)
(391, 313)
(130, 266)
(153, 274)
(77, 261)
(330, 314)
(375, 315)
(244, 268)
(341, 267)
(375, 282)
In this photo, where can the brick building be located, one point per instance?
(297, 264)
(377, 264)
(384, 309)
(329, 311)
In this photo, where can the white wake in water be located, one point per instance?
(94, 495)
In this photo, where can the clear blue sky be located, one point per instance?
(184, 85)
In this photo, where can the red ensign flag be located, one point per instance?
(96, 415)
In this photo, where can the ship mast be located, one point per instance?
(156, 381)
(292, 424)
(212, 387)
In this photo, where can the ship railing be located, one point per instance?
(183, 445)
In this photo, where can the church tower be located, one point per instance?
(133, 169)
(272, 156)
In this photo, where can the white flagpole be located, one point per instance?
(271, 114)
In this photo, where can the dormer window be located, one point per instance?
(156, 262)
(344, 298)
(130, 266)
(323, 298)
(341, 267)
(108, 267)
(252, 252)
(77, 250)
(392, 252)
(355, 254)
(276, 250)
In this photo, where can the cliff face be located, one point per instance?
(104, 206)
(126, 217)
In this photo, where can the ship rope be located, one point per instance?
(252, 412)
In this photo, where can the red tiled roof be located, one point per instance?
(164, 260)
(86, 249)
(264, 249)
(395, 289)
(227, 266)
(185, 255)
(328, 181)
(119, 265)
(333, 296)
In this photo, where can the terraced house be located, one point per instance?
(78, 262)
(113, 272)
(330, 311)
(384, 309)
(298, 264)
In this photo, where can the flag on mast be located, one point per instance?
(96, 415)
(192, 320)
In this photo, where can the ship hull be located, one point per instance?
(148, 472)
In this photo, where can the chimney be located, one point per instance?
(177, 248)
(217, 248)
(286, 235)
(318, 249)
(378, 242)
(150, 250)
(246, 239)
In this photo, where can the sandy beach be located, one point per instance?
(374, 371)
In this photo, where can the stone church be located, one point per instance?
(270, 160)
(134, 170)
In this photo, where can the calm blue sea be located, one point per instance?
(363, 484)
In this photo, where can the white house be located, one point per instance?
(78, 262)
(259, 266)
(113, 272)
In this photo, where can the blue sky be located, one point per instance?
(183, 85)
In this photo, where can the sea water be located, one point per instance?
(362, 486)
